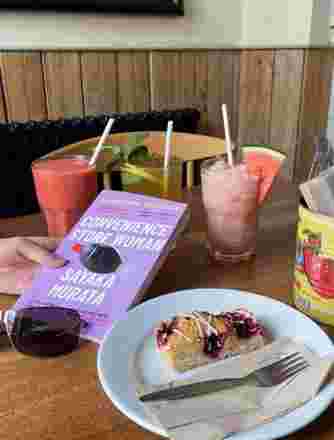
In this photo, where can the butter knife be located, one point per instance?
(194, 389)
(269, 375)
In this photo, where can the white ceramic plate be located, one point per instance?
(127, 354)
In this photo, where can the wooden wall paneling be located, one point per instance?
(133, 81)
(286, 95)
(256, 71)
(236, 94)
(99, 82)
(186, 78)
(198, 92)
(180, 79)
(23, 85)
(316, 91)
(223, 88)
(3, 117)
(62, 73)
(164, 86)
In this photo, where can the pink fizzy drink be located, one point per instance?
(230, 197)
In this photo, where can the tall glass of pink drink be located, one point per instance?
(230, 201)
(65, 187)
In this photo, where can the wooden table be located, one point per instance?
(62, 399)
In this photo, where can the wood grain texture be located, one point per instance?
(23, 85)
(63, 84)
(180, 79)
(273, 96)
(200, 88)
(286, 95)
(236, 95)
(223, 88)
(3, 113)
(40, 393)
(314, 106)
(165, 90)
(133, 81)
(256, 71)
(62, 398)
(99, 82)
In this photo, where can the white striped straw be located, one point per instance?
(227, 136)
(167, 152)
(99, 146)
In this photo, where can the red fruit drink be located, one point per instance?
(65, 187)
(230, 201)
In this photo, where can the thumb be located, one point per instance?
(38, 254)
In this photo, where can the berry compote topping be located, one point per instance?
(244, 322)
(213, 345)
(163, 332)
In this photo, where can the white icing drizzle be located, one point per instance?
(198, 318)
(206, 322)
(177, 331)
(199, 327)
(246, 314)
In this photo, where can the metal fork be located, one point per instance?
(280, 371)
(268, 376)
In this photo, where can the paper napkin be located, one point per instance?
(217, 415)
(319, 193)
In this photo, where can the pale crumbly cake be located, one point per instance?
(191, 340)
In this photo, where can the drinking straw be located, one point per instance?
(167, 154)
(167, 151)
(227, 136)
(99, 146)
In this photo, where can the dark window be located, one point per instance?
(173, 7)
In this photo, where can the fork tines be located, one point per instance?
(290, 366)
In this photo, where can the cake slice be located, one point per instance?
(191, 340)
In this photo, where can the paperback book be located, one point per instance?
(112, 254)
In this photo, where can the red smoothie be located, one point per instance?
(65, 188)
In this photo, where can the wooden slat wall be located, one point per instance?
(223, 87)
(99, 82)
(3, 117)
(180, 79)
(22, 79)
(314, 106)
(277, 96)
(62, 73)
(285, 106)
(256, 79)
(133, 82)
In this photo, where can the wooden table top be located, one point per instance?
(61, 398)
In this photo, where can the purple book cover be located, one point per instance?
(113, 253)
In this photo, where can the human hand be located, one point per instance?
(20, 257)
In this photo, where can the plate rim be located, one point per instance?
(322, 403)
